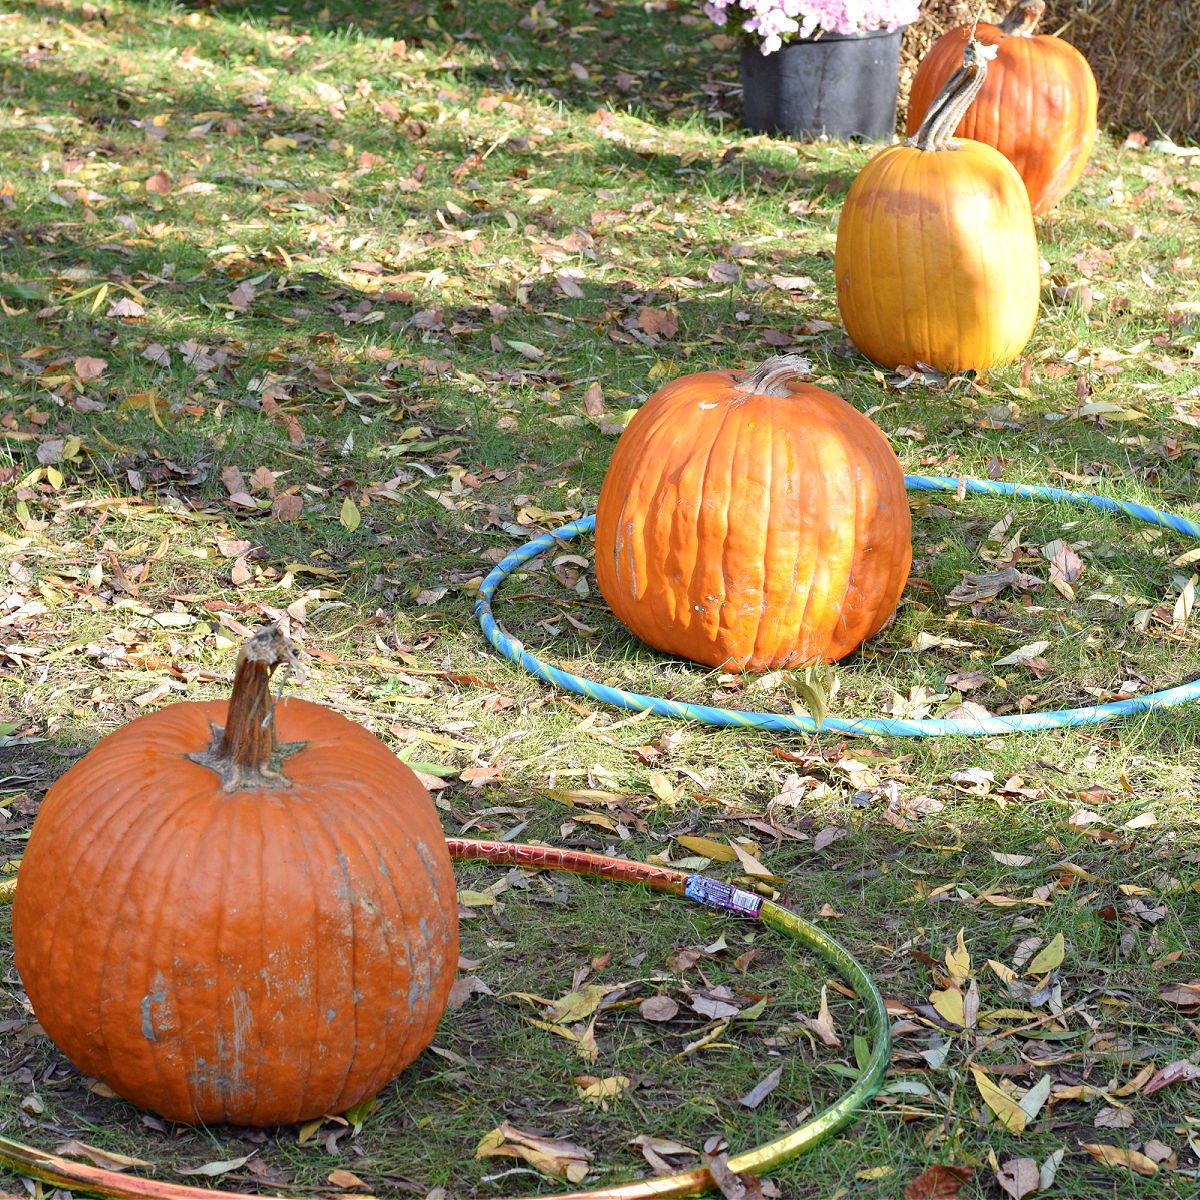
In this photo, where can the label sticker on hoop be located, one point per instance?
(724, 896)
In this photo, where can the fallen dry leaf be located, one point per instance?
(937, 1183)
(1182, 995)
(551, 1156)
(762, 1089)
(731, 1185)
(599, 1091)
(1117, 1156)
(86, 368)
(1180, 1071)
(658, 1008)
(661, 322)
(106, 1159)
(1019, 1177)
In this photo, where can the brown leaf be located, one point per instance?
(159, 183)
(1065, 565)
(658, 1008)
(731, 1185)
(1019, 1177)
(569, 285)
(822, 1024)
(345, 1180)
(86, 369)
(937, 1183)
(654, 1148)
(242, 296)
(287, 507)
(827, 837)
(661, 322)
(464, 987)
(762, 1089)
(107, 1160)
(593, 400)
(126, 307)
(1180, 1071)
(233, 480)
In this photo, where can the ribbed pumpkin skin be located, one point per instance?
(1037, 106)
(936, 258)
(257, 957)
(752, 532)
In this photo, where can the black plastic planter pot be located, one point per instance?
(844, 86)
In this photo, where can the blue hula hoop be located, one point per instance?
(786, 723)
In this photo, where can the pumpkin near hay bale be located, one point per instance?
(750, 521)
(1037, 105)
(227, 926)
(936, 258)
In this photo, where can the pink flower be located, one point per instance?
(775, 22)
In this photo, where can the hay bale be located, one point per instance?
(1145, 56)
(1146, 59)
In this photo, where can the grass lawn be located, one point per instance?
(317, 311)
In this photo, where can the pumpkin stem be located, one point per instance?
(1022, 17)
(952, 102)
(771, 378)
(245, 753)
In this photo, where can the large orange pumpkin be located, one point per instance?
(1038, 106)
(936, 257)
(750, 521)
(226, 927)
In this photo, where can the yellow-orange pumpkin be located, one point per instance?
(1038, 106)
(750, 521)
(231, 928)
(936, 257)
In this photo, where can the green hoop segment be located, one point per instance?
(62, 1172)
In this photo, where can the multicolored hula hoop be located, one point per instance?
(779, 722)
(62, 1172)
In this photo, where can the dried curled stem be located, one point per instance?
(245, 753)
(771, 378)
(952, 102)
(1022, 17)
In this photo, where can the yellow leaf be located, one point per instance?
(717, 851)
(958, 961)
(280, 143)
(574, 1006)
(345, 1179)
(1132, 889)
(308, 1129)
(1136, 1084)
(949, 1005)
(1006, 974)
(873, 1173)
(350, 516)
(1117, 1156)
(1007, 1111)
(472, 899)
(1074, 1091)
(600, 1091)
(1141, 821)
(1048, 957)
(551, 1156)
(751, 865)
